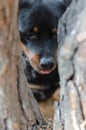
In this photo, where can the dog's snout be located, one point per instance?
(47, 63)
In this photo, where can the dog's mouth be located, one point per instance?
(45, 71)
(47, 65)
(44, 68)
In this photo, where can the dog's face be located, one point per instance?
(38, 22)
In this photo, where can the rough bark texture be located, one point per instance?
(72, 68)
(18, 108)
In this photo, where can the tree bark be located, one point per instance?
(18, 108)
(72, 68)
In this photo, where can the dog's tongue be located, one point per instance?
(45, 71)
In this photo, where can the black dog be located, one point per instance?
(38, 23)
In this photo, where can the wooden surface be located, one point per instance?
(72, 68)
(18, 108)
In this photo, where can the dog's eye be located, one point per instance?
(31, 35)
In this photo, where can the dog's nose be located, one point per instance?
(47, 63)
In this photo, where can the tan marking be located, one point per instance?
(56, 95)
(47, 107)
(54, 30)
(35, 29)
(34, 58)
(32, 86)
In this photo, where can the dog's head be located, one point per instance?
(38, 20)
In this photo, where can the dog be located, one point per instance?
(38, 25)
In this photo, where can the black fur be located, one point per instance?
(41, 63)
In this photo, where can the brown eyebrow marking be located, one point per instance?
(54, 30)
(35, 29)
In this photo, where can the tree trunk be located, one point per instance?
(18, 108)
(72, 68)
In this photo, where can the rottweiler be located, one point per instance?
(38, 25)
